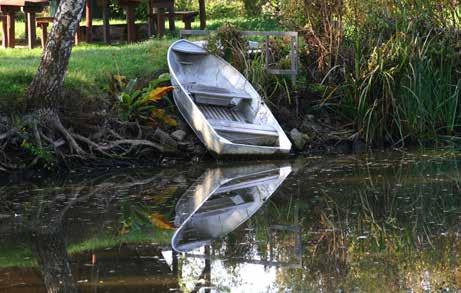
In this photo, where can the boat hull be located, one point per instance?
(215, 143)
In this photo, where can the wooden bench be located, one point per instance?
(186, 16)
(43, 22)
(4, 31)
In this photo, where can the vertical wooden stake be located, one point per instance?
(31, 29)
(294, 59)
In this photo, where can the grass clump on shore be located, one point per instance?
(391, 69)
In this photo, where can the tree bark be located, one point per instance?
(46, 87)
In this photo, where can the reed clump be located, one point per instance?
(391, 69)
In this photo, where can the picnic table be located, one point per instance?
(161, 9)
(30, 7)
(9, 8)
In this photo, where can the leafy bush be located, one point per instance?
(142, 105)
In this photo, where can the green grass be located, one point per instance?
(91, 64)
(89, 68)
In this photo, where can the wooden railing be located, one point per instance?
(293, 71)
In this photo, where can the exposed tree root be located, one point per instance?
(43, 133)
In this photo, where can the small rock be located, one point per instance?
(298, 138)
(179, 135)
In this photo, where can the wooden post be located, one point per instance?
(150, 19)
(26, 27)
(31, 29)
(10, 18)
(106, 23)
(171, 16)
(89, 21)
(4, 32)
(130, 20)
(160, 23)
(202, 14)
(294, 59)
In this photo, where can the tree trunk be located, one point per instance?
(46, 87)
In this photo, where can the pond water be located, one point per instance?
(383, 222)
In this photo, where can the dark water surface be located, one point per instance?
(381, 223)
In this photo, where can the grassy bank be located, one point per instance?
(92, 64)
(89, 69)
(388, 69)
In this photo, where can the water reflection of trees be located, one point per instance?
(389, 225)
(90, 214)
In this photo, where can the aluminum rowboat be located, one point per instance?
(221, 105)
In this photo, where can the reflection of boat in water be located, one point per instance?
(222, 200)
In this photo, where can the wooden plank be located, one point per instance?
(245, 33)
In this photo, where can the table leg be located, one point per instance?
(188, 22)
(160, 24)
(171, 23)
(202, 14)
(131, 24)
(89, 21)
(10, 16)
(26, 27)
(44, 37)
(106, 23)
(31, 29)
(4, 32)
(150, 20)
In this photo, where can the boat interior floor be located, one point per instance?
(219, 105)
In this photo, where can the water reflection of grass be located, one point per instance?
(14, 255)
